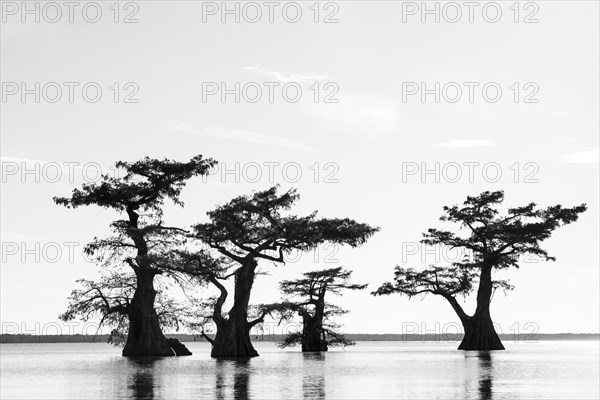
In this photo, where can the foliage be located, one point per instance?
(144, 186)
(310, 291)
(254, 225)
(257, 227)
(108, 302)
(496, 242)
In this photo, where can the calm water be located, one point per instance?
(377, 370)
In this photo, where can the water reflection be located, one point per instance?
(140, 380)
(485, 374)
(479, 379)
(313, 381)
(239, 370)
(376, 370)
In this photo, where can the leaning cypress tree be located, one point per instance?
(141, 240)
(252, 228)
(496, 242)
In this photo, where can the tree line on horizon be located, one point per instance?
(135, 304)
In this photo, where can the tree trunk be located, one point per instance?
(232, 340)
(480, 334)
(313, 337)
(479, 329)
(145, 337)
(233, 333)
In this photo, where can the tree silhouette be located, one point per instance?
(318, 331)
(252, 228)
(109, 300)
(141, 241)
(496, 242)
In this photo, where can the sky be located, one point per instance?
(375, 112)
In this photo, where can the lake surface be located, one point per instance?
(370, 370)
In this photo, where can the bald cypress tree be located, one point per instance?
(318, 330)
(496, 242)
(255, 227)
(141, 241)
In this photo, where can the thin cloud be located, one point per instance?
(358, 114)
(19, 237)
(22, 160)
(238, 134)
(589, 156)
(181, 126)
(65, 166)
(462, 144)
(286, 76)
(255, 137)
(57, 170)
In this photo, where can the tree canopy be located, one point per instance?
(253, 225)
(501, 240)
(142, 240)
(144, 186)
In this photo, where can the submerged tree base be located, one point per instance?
(313, 338)
(314, 347)
(178, 347)
(151, 343)
(173, 348)
(155, 352)
(232, 343)
(481, 344)
(237, 350)
(480, 335)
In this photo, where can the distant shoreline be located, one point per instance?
(358, 337)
